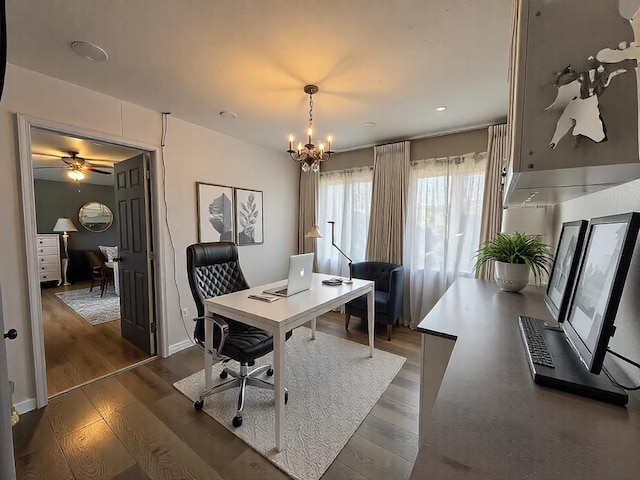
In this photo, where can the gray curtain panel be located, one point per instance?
(388, 203)
(497, 153)
(308, 214)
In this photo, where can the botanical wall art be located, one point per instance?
(249, 217)
(215, 213)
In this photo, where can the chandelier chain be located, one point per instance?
(310, 111)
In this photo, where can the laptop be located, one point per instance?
(300, 274)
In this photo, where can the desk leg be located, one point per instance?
(371, 319)
(116, 278)
(313, 328)
(278, 386)
(208, 347)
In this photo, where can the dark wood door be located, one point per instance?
(134, 253)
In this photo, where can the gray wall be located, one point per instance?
(432, 147)
(62, 199)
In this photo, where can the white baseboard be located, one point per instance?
(26, 405)
(176, 347)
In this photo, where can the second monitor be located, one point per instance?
(565, 266)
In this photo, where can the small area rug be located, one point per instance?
(91, 306)
(332, 383)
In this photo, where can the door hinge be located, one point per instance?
(147, 174)
(153, 327)
(152, 256)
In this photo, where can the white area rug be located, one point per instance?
(332, 383)
(91, 306)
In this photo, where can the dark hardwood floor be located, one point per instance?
(77, 352)
(135, 425)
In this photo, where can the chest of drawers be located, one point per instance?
(49, 257)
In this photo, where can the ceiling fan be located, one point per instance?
(76, 166)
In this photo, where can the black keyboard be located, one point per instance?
(535, 343)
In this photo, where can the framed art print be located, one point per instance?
(215, 213)
(565, 267)
(249, 217)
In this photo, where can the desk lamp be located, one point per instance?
(343, 254)
(65, 225)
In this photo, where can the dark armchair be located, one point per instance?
(213, 269)
(389, 279)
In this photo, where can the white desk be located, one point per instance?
(281, 316)
(116, 276)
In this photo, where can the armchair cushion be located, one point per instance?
(389, 290)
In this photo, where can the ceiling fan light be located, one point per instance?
(75, 175)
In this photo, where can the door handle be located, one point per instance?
(11, 334)
(117, 259)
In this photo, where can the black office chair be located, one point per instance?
(389, 278)
(213, 269)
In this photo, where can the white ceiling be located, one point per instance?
(391, 62)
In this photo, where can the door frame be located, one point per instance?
(157, 212)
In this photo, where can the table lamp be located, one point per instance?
(314, 232)
(343, 254)
(65, 225)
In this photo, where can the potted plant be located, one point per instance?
(515, 255)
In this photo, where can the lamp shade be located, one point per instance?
(314, 232)
(64, 225)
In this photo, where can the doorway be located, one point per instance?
(69, 352)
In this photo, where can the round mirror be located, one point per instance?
(95, 216)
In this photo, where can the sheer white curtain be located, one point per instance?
(344, 196)
(443, 226)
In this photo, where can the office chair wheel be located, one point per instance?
(270, 372)
(223, 374)
(198, 404)
(237, 421)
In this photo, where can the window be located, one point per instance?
(344, 197)
(443, 225)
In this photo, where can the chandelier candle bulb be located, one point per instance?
(290, 142)
(329, 143)
(309, 133)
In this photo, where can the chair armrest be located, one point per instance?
(224, 331)
(396, 290)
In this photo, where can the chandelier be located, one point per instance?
(310, 155)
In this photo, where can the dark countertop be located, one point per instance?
(490, 420)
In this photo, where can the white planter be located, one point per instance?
(511, 277)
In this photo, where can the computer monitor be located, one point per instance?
(565, 266)
(608, 249)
